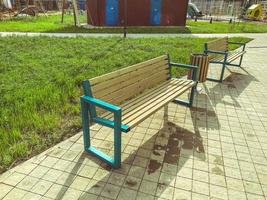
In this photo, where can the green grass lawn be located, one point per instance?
(40, 83)
(52, 23)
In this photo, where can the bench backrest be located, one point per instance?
(121, 85)
(217, 45)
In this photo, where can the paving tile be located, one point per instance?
(80, 183)
(27, 183)
(52, 175)
(65, 179)
(183, 183)
(31, 196)
(110, 191)
(132, 182)
(200, 187)
(148, 187)
(254, 197)
(253, 188)
(218, 192)
(15, 194)
(71, 194)
(128, 194)
(234, 194)
(87, 196)
(39, 171)
(25, 168)
(4, 190)
(234, 184)
(41, 187)
(181, 194)
(49, 161)
(165, 192)
(56, 191)
(144, 196)
(95, 187)
(14, 179)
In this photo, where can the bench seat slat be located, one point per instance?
(151, 101)
(158, 104)
(131, 104)
(231, 57)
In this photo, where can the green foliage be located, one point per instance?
(52, 23)
(40, 83)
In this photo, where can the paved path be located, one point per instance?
(216, 150)
(251, 35)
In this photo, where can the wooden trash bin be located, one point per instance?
(202, 61)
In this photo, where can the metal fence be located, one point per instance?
(219, 7)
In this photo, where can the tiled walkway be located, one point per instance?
(216, 150)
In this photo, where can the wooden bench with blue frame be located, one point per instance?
(219, 54)
(139, 90)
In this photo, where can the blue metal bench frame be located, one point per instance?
(89, 116)
(224, 62)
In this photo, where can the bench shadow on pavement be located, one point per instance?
(233, 86)
(166, 147)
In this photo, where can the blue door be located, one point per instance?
(112, 12)
(155, 12)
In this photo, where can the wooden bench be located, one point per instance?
(220, 54)
(139, 90)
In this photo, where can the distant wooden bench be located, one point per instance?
(220, 54)
(139, 90)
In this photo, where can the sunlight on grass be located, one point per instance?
(52, 23)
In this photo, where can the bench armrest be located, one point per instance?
(216, 52)
(183, 65)
(116, 110)
(240, 43)
(191, 67)
(101, 104)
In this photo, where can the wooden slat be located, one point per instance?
(120, 72)
(134, 89)
(218, 45)
(141, 115)
(151, 99)
(131, 78)
(234, 56)
(129, 105)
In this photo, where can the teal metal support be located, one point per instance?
(188, 103)
(224, 63)
(88, 92)
(223, 67)
(89, 115)
(117, 139)
(85, 124)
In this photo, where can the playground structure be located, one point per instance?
(225, 10)
(12, 8)
(193, 11)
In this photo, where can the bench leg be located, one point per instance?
(85, 125)
(191, 98)
(114, 162)
(117, 140)
(240, 61)
(222, 73)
